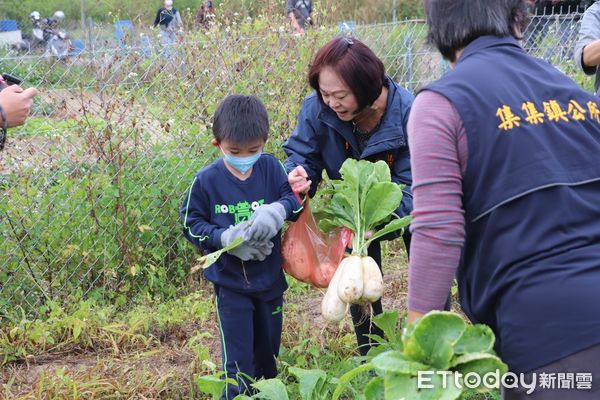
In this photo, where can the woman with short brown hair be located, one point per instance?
(356, 111)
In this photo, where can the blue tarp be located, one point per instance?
(124, 31)
(8, 25)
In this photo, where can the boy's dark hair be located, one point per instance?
(355, 63)
(453, 24)
(241, 120)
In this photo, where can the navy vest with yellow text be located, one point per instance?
(530, 266)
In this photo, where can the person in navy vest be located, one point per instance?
(505, 159)
(356, 111)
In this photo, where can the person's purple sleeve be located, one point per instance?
(438, 147)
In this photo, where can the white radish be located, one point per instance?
(373, 280)
(350, 288)
(333, 308)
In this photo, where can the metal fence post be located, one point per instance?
(90, 32)
(409, 61)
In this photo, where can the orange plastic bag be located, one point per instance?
(311, 255)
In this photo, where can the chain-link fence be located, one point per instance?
(91, 186)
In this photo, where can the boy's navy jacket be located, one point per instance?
(322, 141)
(217, 200)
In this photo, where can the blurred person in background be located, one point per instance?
(169, 21)
(300, 14)
(205, 17)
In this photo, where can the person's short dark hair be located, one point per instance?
(355, 63)
(453, 24)
(241, 120)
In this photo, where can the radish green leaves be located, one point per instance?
(364, 200)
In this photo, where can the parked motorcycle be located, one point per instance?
(47, 35)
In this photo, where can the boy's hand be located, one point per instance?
(266, 221)
(264, 249)
(234, 232)
(249, 250)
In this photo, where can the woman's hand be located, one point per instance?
(413, 316)
(298, 180)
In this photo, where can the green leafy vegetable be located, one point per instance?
(209, 259)
(347, 377)
(434, 359)
(476, 338)
(214, 385)
(433, 339)
(310, 382)
(362, 201)
(374, 389)
(395, 361)
(440, 348)
(271, 389)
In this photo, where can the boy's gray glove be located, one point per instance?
(249, 250)
(266, 221)
(264, 249)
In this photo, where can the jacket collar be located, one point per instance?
(484, 42)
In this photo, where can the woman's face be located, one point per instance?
(337, 95)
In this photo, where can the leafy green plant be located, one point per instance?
(307, 384)
(211, 258)
(213, 385)
(364, 201)
(440, 343)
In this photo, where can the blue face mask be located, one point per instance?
(241, 164)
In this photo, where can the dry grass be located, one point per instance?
(164, 367)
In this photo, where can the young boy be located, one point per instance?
(245, 193)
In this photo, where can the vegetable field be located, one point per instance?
(96, 296)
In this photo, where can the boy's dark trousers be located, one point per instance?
(250, 329)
